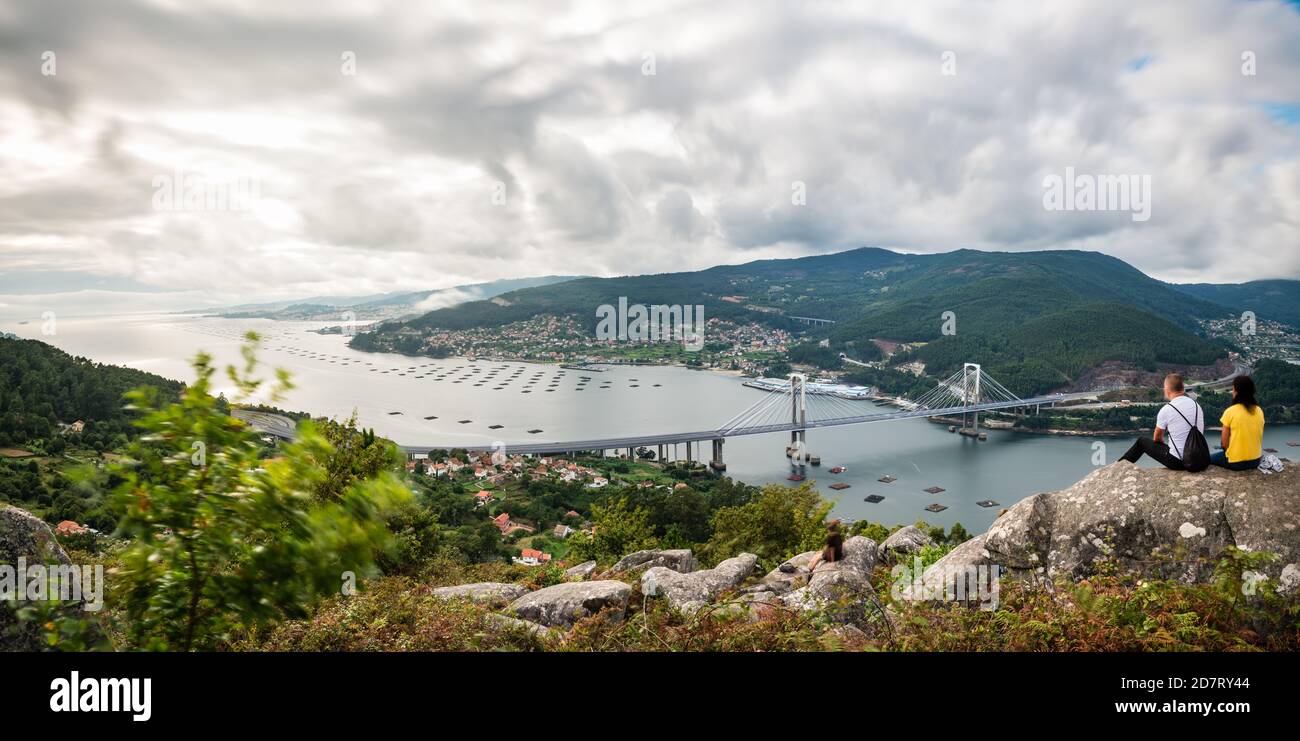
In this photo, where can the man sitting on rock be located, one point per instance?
(1173, 423)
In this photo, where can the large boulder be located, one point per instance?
(680, 560)
(24, 536)
(904, 541)
(860, 554)
(789, 575)
(966, 574)
(1155, 521)
(1158, 522)
(508, 624)
(497, 594)
(692, 591)
(567, 603)
(581, 571)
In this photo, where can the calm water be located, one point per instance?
(335, 380)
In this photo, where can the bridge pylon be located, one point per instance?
(797, 451)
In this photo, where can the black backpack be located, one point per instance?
(1196, 451)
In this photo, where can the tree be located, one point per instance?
(221, 540)
(354, 455)
(618, 529)
(781, 522)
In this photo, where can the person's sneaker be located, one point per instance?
(1270, 464)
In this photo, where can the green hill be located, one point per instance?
(1043, 317)
(1278, 300)
(41, 386)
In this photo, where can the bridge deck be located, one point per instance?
(633, 441)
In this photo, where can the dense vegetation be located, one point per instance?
(1278, 300)
(1042, 319)
(1277, 386)
(1037, 355)
(42, 387)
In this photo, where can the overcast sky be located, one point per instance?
(420, 145)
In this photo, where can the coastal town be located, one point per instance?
(746, 348)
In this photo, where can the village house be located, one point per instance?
(562, 531)
(502, 521)
(68, 527)
(533, 557)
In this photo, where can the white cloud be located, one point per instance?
(385, 180)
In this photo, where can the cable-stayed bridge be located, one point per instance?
(797, 407)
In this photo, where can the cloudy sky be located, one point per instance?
(408, 145)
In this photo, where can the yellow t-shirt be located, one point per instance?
(1246, 436)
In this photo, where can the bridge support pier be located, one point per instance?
(716, 461)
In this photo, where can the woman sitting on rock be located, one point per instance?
(834, 550)
(1243, 429)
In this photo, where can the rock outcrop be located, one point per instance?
(860, 554)
(845, 583)
(565, 604)
(691, 591)
(581, 571)
(681, 560)
(497, 594)
(904, 541)
(1170, 524)
(22, 535)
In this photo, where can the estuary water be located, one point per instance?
(483, 401)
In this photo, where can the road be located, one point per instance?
(275, 425)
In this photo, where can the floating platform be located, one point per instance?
(837, 469)
(873, 498)
(887, 479)
(393, 413)
(986, 503)
(934, 489)
(936, 507)
(795, 477)
(839, 487)
(495, 427)
(466, 421)
(431, 416)
(533, 432)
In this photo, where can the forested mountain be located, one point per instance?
(1043, 317)
(41, 386)
(1278, 300)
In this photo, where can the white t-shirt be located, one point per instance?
(1175, 427)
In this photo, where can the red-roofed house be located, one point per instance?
(533, 557)
(502, 521)
(68, 527)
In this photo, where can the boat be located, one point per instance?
(813, 388)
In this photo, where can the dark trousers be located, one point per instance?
(1220, 458)
(1156, 450)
